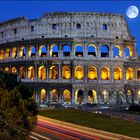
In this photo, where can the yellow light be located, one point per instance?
(117, 73)
(43, 94)
(129, 74)
(42, 72)
(105, 73)
(92, 73)
(79, 72)
(66, 74)
(67, 95)
(54, 72)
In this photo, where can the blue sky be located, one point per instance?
(35, 9)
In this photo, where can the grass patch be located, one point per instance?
(97, 121)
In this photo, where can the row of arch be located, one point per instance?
(92, 96)
(54, 51)
(79, 72)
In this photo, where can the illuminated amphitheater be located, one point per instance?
(73, 57)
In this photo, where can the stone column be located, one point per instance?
(48, 51)
(111, 53)
(26, 72)
(98, 52)
(60, 51)
(99, 96)
(26, 52)
(124, 74)
(37, 52)
(72, 51)
(48, 95)
(84, 51)
(99, 74)
(37, 95)
(123, 50)
(60, 95)
(112, 74)
(85, 73)
(136, 74)
(85, 97)
(18, 52)
(59, 71)
(47, 71)
(36, 70)
(73, 96)
(10, 53)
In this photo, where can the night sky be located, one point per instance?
(35, 9)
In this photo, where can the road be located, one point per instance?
(48, 131)
(51, 130)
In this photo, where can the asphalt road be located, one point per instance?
(50, 131)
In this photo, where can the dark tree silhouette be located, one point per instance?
(17, 109)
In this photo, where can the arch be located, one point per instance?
(67, 96)
(79, 72)
(92, 97)
(66, 50)
(92, 50)
(120, 97)
(129, 74)
(53, 95)
(130, 96)
(104, 51)
(138, 74)
(22, 72)
(42, 72)
(7, 53)
(42, 51)
(66, 73)
(1, 54)
(14, 70)
(31, 72)
(118, 73)
(54, 50)
(117, 51)
(22, 52)
(92, 73)
(31, 51)
(43, 95)
(105, 96)
(14, 52)
(79, 50)
(105, 73)
(79, 97)
(6, 69)
(53, 72)
(129, 51)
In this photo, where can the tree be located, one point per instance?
(17, 113)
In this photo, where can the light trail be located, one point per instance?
(67, 130)
(40, 136)
(58, 133)
(33, 137)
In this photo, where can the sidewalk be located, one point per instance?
(86, 130)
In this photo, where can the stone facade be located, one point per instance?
(73, 58)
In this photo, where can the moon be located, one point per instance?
(132, 11)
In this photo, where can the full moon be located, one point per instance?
(132, 12)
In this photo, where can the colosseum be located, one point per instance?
(73, 57)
